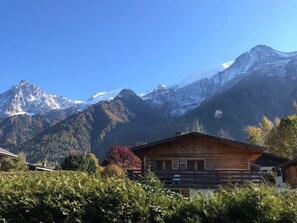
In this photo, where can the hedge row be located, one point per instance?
(79, 197)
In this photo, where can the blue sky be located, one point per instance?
(77, 47)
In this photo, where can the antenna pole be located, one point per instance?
(218, 115)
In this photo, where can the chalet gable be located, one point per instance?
(195, 151)
(198, 142)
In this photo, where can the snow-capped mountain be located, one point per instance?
(205, 73)
(261, 59)
(26, 98)
(102, 96)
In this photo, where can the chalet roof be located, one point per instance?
(268, 159)
(196, 134)
(4, 152)
(291, 162)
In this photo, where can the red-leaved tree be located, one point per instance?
(123, 157)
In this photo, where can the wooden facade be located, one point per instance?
(197, 160)
(289, 173)
(195, 151)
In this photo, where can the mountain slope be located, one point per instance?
(97, 128)
(18, 129)
(245, 104)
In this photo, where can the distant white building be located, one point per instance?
(4, 152)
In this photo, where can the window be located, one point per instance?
(175, 164)
(152, 164)
(159, 164)
(183, 164)
(200, 164)
(191, 165)
(168, 164)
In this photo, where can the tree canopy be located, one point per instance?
(81, 162)
(280, 137)
(282, 140)
(122, 156)
(258, 135)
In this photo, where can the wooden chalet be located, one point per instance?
(199, 160)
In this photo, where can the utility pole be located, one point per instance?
(218, 114)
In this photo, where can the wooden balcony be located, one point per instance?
(202, 179)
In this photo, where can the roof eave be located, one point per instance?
(251, 146)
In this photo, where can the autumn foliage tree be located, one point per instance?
(280, 137)
(123, 157)
(282, 140)
(258, 135)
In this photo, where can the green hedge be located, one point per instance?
(80, 197)
(251, 204)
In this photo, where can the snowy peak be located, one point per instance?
(24, 83)
(259, 55)
(207, 73)
(260, 58)
(187, 95)
(103, 96)
(269, 53)
(161, 86)
(26, 98)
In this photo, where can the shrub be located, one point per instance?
(78, 197)
(10, 164)
(255, 203)
(81, 162)
(152, 180)
(113, 171)
(73, 196)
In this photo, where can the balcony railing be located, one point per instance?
(207, 178)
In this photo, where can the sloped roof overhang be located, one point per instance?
(196, 134)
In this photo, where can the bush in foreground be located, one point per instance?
(254, 203)
(80, 197)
